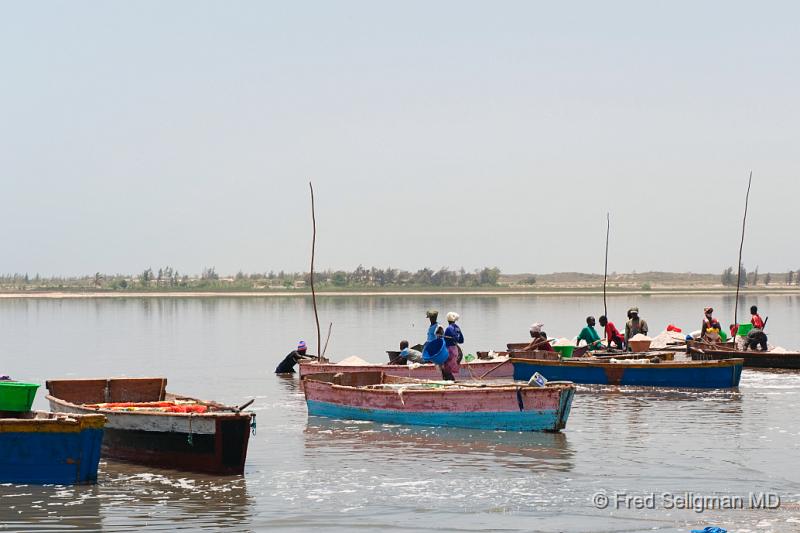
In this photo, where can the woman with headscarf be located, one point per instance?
(433, 316)
(710, 331)
(539, 339)
(452, 338)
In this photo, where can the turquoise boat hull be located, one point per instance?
(544, 420)
(708, 375)
(63, 450)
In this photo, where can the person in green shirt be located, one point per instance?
(589, 335)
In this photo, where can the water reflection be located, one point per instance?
(521, 450)
(162, 498)
(49, 507)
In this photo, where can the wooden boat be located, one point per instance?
(621, 356)
(148, 425)
(380, 397)
(693, 374)
(42, 447)
(699, 351)
(481, 368)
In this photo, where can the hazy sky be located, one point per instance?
(136, 134)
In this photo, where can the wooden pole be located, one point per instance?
(605, 271)
(741, 245)
(325, 348)
(313, 292)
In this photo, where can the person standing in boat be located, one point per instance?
(436, 352)
(589, 335)
(755, 318)
(710, 330)
(756, 337)
(612, 334)
(539, 339)
(287, 365)
(634, 325)
(452, 338)
(433, 316)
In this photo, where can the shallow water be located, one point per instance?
(341, 475)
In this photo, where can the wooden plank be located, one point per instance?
(135, 389)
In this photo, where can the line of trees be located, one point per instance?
(169, 278)
(751, 279)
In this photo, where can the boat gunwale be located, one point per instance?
(213, 414)
(487, 388)
(743, 353)
(626, 364)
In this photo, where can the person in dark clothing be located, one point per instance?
(757, 338)
(287, 365)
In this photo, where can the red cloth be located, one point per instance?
(612, 332)
(676, 329)
(756, 321)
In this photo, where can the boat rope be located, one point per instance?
(189, 438)
(519, 399)
(253, 424)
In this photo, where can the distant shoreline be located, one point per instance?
(57, 295)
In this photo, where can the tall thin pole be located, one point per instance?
(741, 245)
(605, 271)
(313, 292)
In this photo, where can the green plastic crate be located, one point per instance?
(16, 395)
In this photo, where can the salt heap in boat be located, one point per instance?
(665, 338)
(563, 342)
(353, 360)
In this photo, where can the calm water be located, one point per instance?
(303, 473)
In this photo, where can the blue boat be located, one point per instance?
(44, 448)
(677, 374)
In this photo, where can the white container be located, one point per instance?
(538, 380)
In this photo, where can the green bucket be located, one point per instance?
(16, 395)
(564, 351)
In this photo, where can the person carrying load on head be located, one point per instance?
(711, 328)
(539, 339)
(613, 336)
(410, 355)
(295, 356)
(452, 338)
(436, 352)
(589, 335)
(634, 325)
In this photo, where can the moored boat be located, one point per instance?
(379, 397)
(496, 368)
(148, 425)
(752, 358)
(42, 447)
(641, 372)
